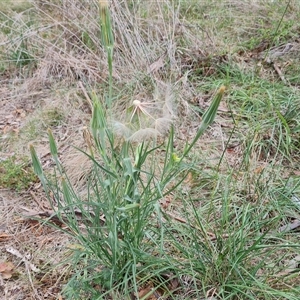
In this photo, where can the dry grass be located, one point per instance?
(41, 247)
(49, 48)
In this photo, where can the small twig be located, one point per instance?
(28, 266)
(49, 214)
(36, 200)
(278, 71)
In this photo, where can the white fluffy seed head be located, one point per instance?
(136, 102)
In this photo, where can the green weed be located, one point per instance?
(21, 57)
(16, 6)
(16, 174)
(121, 214)
(53, 117)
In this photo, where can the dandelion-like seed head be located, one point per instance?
(148, 120)
(121, 129)
(136, 103)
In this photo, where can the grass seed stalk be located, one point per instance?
(107, 39)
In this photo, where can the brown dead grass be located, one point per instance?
(162, 46)
(42, 246)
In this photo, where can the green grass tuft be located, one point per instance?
(16, 174)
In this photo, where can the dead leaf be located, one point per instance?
(6, 269)
(173, 284)
(259, 170)
(4, 236)
(166, 201)
(146, 292)
(28, 264)
(20, 113)
(290, 226)
(189, 179)
(6, 129)
(6, 266)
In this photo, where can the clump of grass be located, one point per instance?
(21, 56)
(231, 245)
(16, 174)
(53, 117)
(8, 5)
(37, 124)
(121, 216)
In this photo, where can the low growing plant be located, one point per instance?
(118, 222)
(120, 226)
(16, 174)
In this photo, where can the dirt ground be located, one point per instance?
(31, 252)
